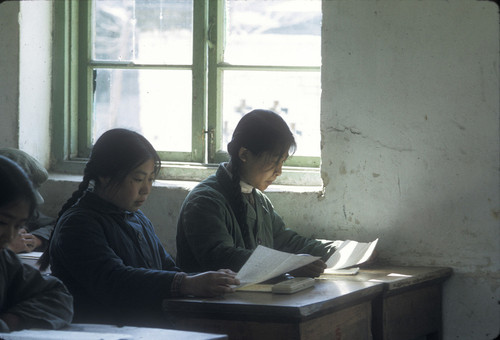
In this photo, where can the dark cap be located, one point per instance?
(35, 171)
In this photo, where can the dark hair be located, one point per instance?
(15, 185)
(114, 155)
(261, 132)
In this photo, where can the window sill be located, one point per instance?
(291, 176)
(188, 173)
(190, 184)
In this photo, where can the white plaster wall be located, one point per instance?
(9, 73)
(35, 20)
(410, 127)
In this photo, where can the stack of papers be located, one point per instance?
(348, 254)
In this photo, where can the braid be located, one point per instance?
(44, 260)
(237, 202)
(84, 184)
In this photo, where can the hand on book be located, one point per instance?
(313, 269)
(209, 284)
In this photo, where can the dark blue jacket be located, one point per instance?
(38, 300)
(112, 262)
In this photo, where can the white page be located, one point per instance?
(350, 253)
(61, 335)
(266, 263)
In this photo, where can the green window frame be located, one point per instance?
(73, 77)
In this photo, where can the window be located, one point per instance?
(183, 72)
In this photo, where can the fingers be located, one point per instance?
(209, 284)
(29, 241)
(227, 280)
(318, 265)
(227, 271)
(313, 269)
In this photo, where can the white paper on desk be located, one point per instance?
(350, 253)
(266, 263)
(61, 335)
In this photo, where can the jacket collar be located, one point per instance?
(245, 187)
(93, 201)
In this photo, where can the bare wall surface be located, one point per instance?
(9, 73)
(411, 142)
(35, 78)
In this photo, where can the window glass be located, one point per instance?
(284, 36)
(143, 74)
(293, 95)
(146, 101)
(143, 31)
(273, 32)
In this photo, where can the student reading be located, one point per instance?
(225, 217)
(105, 249)
(27, 299)
(35, 234)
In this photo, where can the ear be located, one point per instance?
(103, 181)
(243, 154)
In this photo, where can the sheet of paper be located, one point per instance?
(350, 253)
(266, 263)
(61, 335)
(340, 272)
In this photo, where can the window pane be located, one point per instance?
(144, 31)
(274, 32)
(294, 95)
(156, 103)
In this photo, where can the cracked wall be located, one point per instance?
(410, 149)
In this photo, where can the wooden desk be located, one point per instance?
(108, 332)
(411, 304)
(329, 310)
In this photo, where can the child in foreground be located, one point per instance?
(105, 249)
(27, 299)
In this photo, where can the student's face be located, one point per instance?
(260, 171)
(134, 190)
(12, 217)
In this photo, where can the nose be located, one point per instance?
(279, 169)
(146, 188)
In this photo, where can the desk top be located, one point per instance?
(108, 332)
(324, 297)
(395, 277)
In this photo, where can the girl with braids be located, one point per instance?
(105, 249)
(27, 298)
(225, 217)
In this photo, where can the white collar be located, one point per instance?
(245, 187)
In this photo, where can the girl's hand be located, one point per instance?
(24, 242)
(313, 269)
(17, 244)
(13, 321)
(208, 284)
(31, 241)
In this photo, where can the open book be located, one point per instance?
(266, 263)
(350, 253)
